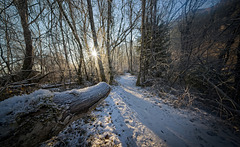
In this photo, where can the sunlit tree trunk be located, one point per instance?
(108, 41)
(99, 61)
(22, 7)
(92, 65)
(102, 6)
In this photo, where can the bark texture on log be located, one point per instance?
(37, 117)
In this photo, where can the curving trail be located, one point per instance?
(131, 116)
(150, 122)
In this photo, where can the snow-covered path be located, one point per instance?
(152, 123)
(131, 116)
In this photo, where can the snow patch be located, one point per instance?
(23, 104)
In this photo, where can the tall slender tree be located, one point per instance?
(95, 40)
(22, 7)
(141, 73)
(108, 40)
(74, 31)
(131, 34)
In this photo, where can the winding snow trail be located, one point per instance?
(131, 116)
(149, 122)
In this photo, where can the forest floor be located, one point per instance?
(132, 116)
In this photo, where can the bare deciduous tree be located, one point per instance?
(22, 7)
(95, 40)
(141, 73)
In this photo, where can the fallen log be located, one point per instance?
(56, 85)
(31, 119)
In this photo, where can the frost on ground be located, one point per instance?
(130, 116)
(23, 104)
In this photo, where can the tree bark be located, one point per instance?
(47, 114)
(141, 71)
(128, 60)
(99, 61)
(131, 35)
(22, 7)
(108, 41)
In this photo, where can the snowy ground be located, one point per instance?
(131, 116)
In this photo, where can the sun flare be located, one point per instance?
(94, 53)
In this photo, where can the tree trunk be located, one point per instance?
(128, 61)
(92, 66)
(141, 71)
(108, 41)
(131, 36)
(65, 48)
(43, 114)
(82, 62)
(8, 46)
(22, 7)
(99, 61)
